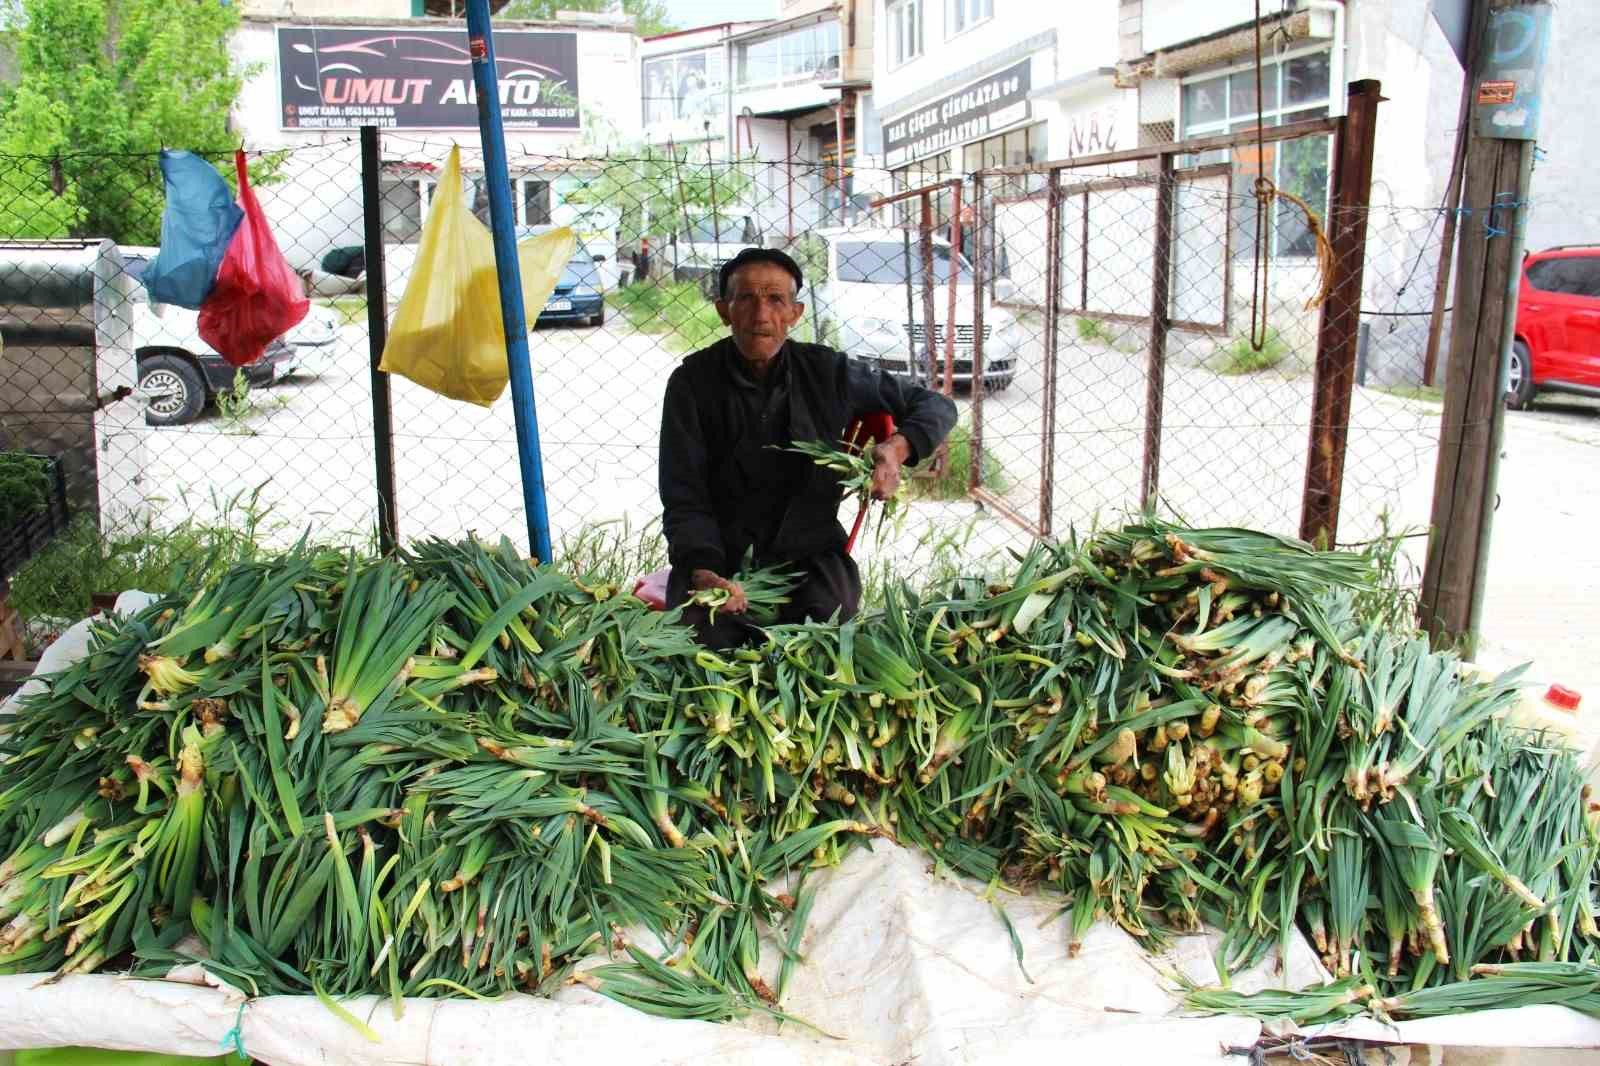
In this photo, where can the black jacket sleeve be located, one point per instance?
(694, 540)
(922, 416)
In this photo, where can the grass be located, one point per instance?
(352, 310)
(676, 310)
(951, 483)
(82, 562)
(1425, 393)
(1092, 329)
(1240, 357)
(239, 404)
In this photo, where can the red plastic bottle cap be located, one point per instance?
(1562, 696)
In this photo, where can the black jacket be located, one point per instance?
(705, 486)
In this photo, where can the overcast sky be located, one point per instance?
(691, 13)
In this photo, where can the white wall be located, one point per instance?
(1100, 118)
(1170, 22)
(1086, 37)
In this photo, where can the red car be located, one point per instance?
(1557, 347)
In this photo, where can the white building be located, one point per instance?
(965, 84)
(1193, 66)
(569, 88)
(685, 90)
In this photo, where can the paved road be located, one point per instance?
(1232, 451)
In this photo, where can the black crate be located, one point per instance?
(21, 542)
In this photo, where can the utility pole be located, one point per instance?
(1510, 41)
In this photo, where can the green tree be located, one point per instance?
(101, 86)
(649, 16)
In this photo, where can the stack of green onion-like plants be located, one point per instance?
(453, 771)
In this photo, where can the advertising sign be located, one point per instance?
(969, 114)
(342, 78)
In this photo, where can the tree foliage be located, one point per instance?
(654, 195)
(101, 86)
(650, 17)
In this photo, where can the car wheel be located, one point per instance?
(1519, 383)
(173, 389)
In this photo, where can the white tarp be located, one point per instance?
(900, 965)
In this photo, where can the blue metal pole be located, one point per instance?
(480, 42)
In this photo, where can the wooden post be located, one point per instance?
(1339, 330)
(1155, 385)
(1497, 178)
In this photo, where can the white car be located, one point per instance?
(698, 249)
(863, 300)
(180, 373)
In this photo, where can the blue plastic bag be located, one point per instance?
(196, 227)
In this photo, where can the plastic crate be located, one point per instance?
(21, 542)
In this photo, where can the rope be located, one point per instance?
(1266, 194)
(233, 1039)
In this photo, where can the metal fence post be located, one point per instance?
(377, 335)
(929, 349)
(979, 247)
(1338, 330)
(1052, 344)
(1155, 385)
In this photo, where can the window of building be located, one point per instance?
(802, 54)
(905, 31)
(535, 201)
(962, 15)
(1015, 147)
(1294, 88)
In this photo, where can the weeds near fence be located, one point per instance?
(1241, 357)
(678, 310)
(613, 553)
(56, 586)
(951, 482)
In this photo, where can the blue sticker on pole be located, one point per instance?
(1510, 75)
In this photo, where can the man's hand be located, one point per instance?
(887, 459)
(710, 579)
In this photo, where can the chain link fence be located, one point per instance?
(1037, 306)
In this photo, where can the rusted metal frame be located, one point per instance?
(1083, 241)
(980, 249)
(930, 354)
(1309, 128)
(1155, 390)
(1338, 331)
(1005, 510)
(1052, 342)
(838, 132)
(906, 194)
(950, 313)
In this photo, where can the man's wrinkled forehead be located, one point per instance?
(762, 279)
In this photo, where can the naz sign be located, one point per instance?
(421, 79)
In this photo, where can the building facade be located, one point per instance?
(966, 84)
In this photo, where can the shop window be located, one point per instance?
(1294, 88)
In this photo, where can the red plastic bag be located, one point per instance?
(258, 297)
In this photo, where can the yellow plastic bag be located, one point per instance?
(447, 334)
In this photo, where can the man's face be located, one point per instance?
(760, 309)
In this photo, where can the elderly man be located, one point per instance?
(727, 485)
